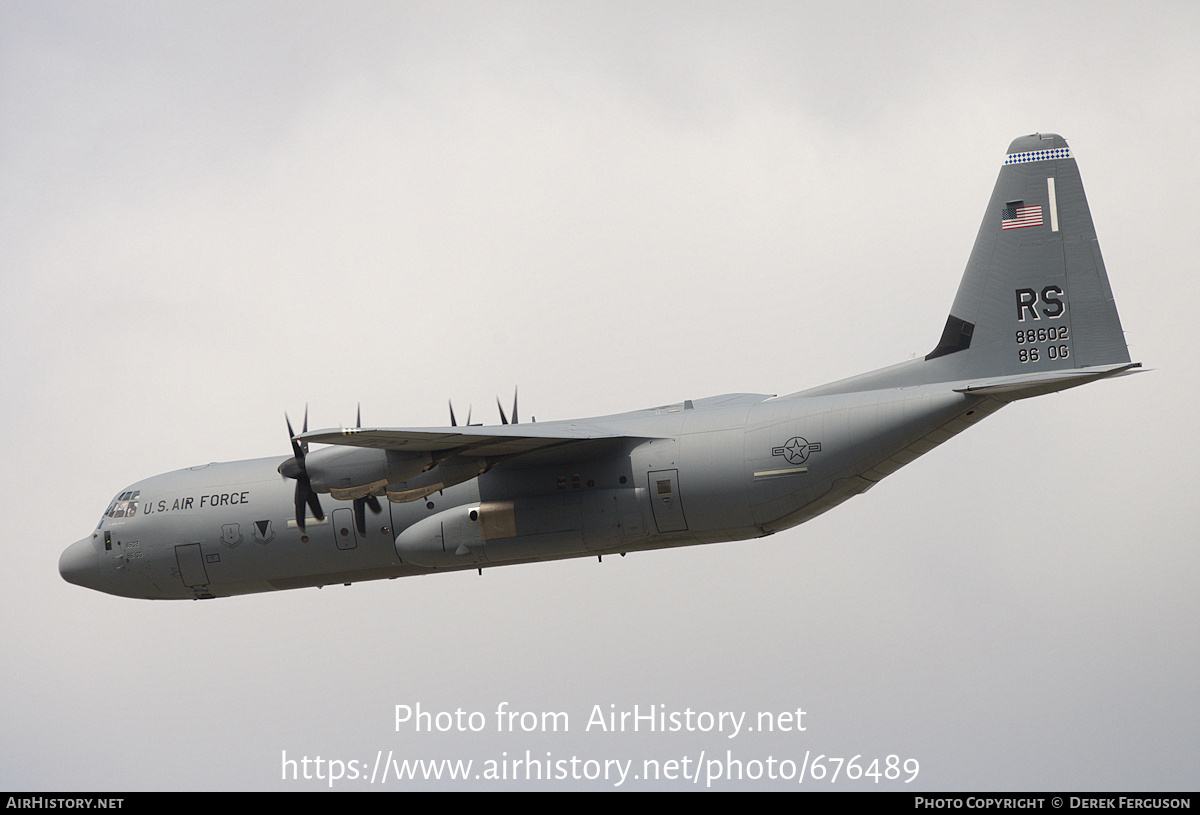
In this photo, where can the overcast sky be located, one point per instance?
(215, 212)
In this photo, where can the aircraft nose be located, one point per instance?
(79, 563)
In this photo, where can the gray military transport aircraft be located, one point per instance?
(1034, 314)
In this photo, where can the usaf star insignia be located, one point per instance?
(796, 449)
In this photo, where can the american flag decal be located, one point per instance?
(1018, 216)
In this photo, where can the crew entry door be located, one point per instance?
(664, 497)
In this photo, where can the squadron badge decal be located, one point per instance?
(231, 535)
(264, 533)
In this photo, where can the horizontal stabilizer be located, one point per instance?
(1022, 386)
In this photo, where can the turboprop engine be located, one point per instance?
(354, 472)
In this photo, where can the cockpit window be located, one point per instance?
(124, 505)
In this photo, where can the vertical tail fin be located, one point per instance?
(1035, 295)
(1034, 304)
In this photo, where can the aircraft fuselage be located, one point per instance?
(720, 469)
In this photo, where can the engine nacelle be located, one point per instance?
(354, 472)
(452, 471)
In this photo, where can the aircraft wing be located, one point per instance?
(516, 439)
(505, 440)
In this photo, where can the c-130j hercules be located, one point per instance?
(1034, 314)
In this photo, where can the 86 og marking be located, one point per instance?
(1029, 338)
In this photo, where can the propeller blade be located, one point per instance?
(299, 506)
(297, 450)
(500, 407)
(304, 495)
(314, 503)
(452, 422)
(360, 514)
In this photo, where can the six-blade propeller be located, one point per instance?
(294, 468)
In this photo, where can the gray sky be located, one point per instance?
(212, 213)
